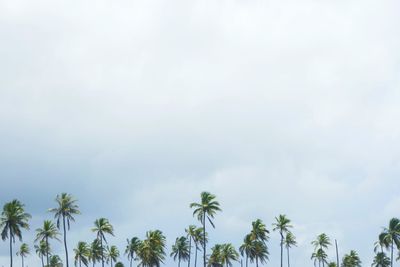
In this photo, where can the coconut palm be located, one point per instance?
(381, 243)
(48, 231)
(259, 231)
(190, 233)
(381, 260)
(12, 220)
(215, 259)
(64, 213)
(42, 250)
(391, 235)
(351, 260)
(55, 261)
(246, 248)
(259, 252)
(131, 249)
(282, 225)
(199, 241)
(206, 209)
(112, 254)
(289, 241)
(95, 251)
(23, 252)
(322, 241)
(332, 264)
(228, 254)
(319, 256)
(102, 227)
(151, 251)
(180, 250)
(119, 264)
(82, 253)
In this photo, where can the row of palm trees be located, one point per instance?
(151, 251)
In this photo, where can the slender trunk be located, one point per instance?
(391, 256)
(80, 263)
(130, 263)
(195, 256)
(204, 240)
(323, 263)
(247, 260)
(337, 253)
(41, 257)
(256, 261)
(102, 251)
(65, 242)
(11, 259)
(47, 252)
(288, 257)
(111, 262)
(179, 262)
(22, 261)
(190, 249)
(281, 248)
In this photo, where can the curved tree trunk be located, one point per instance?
(65, 242)
(11, 256)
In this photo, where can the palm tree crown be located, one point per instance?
(132, 248)
(82, 253)
(48, 231)
(102, 227)
(180, 250)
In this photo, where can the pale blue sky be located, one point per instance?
(135, 107)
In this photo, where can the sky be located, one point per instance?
(135, 107)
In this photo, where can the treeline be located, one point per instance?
(151, 251)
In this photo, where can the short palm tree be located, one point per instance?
(381, 260)
(289, 241)
(132, 248)
(246, 248)
(48, 231)
(228, 254)
(282, 224)
(55, 261)
(82, 253)
(351, 260)
(64, 213)
(12, 220)
(112, 254)
(319, 256)
(391, 235)
(215, 259)
(95, 251)
(102, 227)
(206, 209)
(23, 252)
(42, 250)
(259, 252)
(180, 250)
(151, 251)
(190, 234)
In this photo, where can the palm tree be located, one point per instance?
(322, 241)
(42, 250)
(49, 230)
(199, 241)
(215, 259)
(351, 260)
(119, 264)
(207, 208)
(55, 261)
(152, 250)
(112, 254)
(180, 250)
(282, 225)
(319, 256)
(259, 231)
(82, 253)
(381, 243)
(23, 252)
(64, 213)
(95, 251)
(332, 264)
(289, 241)
(228, 254)
(246, 248)
(101, 227)
(132, 248)
(12, 220)
(391, 235)
(381, 260)
(259, 252)
(190, 233)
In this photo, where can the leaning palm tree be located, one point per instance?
(282, 225)
(289, 241)
(228, 254)
(151, 251)
(42, 250)
(48, 231)
(95, 251)
(180, 250)
(381, 260)
(12, 220)
(102, 227)
(112, 254)
(351, 260)
(391, 235)
(206, 209)
(82, 253)
(259, 252)
(23, 252)
(246, 248)
(190, 234)
(64, 213)
(132, 249)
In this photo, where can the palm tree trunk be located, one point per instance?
(195, 256)
(130, 263)
(47, 252)
(102, 251)
(190, 250)
(337, 253)
(256, 261)
(391, 256)
(41, 257)
(65, 242)
(80, 263)
(288, 257)
(247, 260)
(179, 262)
(204, 240)
(281, 248)
(22, 261)
(11, 259)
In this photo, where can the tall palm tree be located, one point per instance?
(95, 251)
(64, 212)
(82, 253)
(381, 260)
(282, 225)
(391, 235)
(319, 256)
(151, 251)
(246, 248)
(102, 227)
(48, 231)
(228, 254)
(289, 241)
(55, 261)
(132, 248)
(23, 252)
(12, 220)
(351, 260)
(112, 254)
(207, 208)
(190, 233)
(259, 252)
(180, 250)
(42, 250)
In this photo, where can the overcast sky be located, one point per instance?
(135, 107)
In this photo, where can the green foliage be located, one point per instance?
(82, 254)
(351, 260)
(180, 250)
(381, 260)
